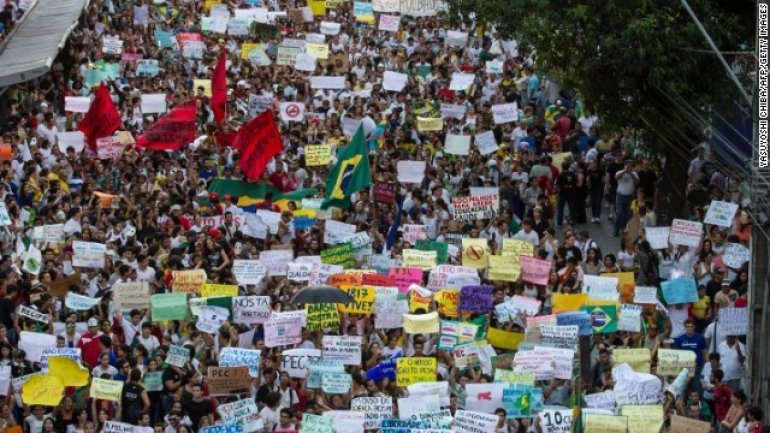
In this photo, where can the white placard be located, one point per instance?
(461, 81)
(456, 111)
(88, 254)
(154, 103)
(457, 144)
(249, 271)
(645, 295)
(275, 261)
(329, 28)
(336, 232)
(657, 237)
(486, 142)
(721, 213)
(389, 23)
(456, 38)
(505, 113)
(733, 321)
(394, 81)
(250, 310)
(474, 422)
(292, 111)
(629, 318)
(294, 361)
(236, 357)
(112, 45)
(685, 232)
(77, 104)
(411, 171)
(494, 67)
(299, 271)
(343, 348)
(334, 83)
(603, 288)
(76, 139)
(305, 62)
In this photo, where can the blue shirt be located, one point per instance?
(695, 343)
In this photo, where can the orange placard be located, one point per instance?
(5, 152)
(344, 279)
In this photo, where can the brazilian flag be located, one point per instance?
(604, 318)
(350, 174)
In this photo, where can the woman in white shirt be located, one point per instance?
(626, 256)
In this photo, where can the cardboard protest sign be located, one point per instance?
(228, 380)
(415, 370)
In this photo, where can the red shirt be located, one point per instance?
(722, 396)
(91, 348)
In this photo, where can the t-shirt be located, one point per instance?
(695, 343)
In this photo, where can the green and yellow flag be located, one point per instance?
(350, 174)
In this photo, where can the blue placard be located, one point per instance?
(680, 291)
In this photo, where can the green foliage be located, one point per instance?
(622, 56)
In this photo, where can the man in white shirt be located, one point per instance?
(146, 339)
(144, 272)
(733, 354)
(526, 233)
(47, 129)
(132, 327)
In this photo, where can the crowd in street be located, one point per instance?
(434, 175)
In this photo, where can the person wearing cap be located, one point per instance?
(89, 343)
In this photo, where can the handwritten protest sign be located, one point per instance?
(283, 331)
(535, 271)
(343, 348)
(735, 255)
(88, 254)
(685, 232)
(251, 309)
(629, 318)
(340, 254)
(295, 361)
(476, 207)
(681, 290)
(363, 299)
(168, 306)
(720, 213)
(106, 389)
(318, 367)
(415, 370)
(477, 299)
(318, 155)
(733, 321)
(671, 361)
(424, 260)
(559, 336)
(236, 357)
(645, 295)
(215, 290)
(227, 380)
(421, 323)
(638, 359)
(322, 316)
(188, 281)
(376, 409)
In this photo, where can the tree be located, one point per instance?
(633, 61)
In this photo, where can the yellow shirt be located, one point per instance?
(700, 308)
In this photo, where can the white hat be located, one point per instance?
(130, 232)
(93, 322)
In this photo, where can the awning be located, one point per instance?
(35, 43)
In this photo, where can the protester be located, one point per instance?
(187, 168)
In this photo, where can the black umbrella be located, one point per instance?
(321, 295)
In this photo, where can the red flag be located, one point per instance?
(258, 141)
(171, 131)
(102, 118)
(219, 90)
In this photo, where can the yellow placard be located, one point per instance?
(430, 124)
(562, 302)
(411, 370)
(322, 316)
(475, 253)
(605, 423)
(211, 3)
(519, 377)
(363, 297)
(559, 158)
(215, 290)
(504, 268)
(45, 390)
(319, 51)
(367, 19)
(69, 372)
(247, 47)
(418, 302)
(318, 155)
(425, 260)
(333, 4)
(448, 301)
(672, 361)
(643, 419)
(106, 389)
(206, 84)
(638, 359)
(501, 339)
(624, 278)
(421, 323)
(188, 281)
(517, 247)
(318, 7)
